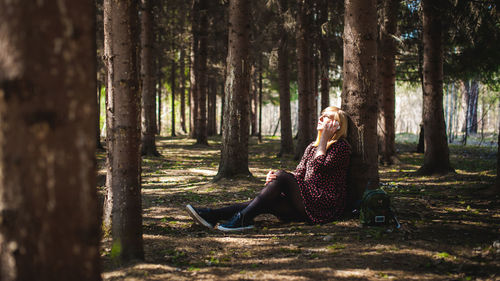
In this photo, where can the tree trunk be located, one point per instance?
(172, 89)
(359, 98)
(324, 56)
(304, 79)
(284, 90)
(182, 90)
(98, 123)
(260, 99)
(49, 224)
(212, 100)
(193, 93)
(234, 153)
(253, 99)
(148, 102)
(202, 76)
(436, 155)
(386, 65)
(498, 153)
(123, 214)
(471, 98)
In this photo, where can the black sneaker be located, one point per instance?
(201, 216)
(237, 223)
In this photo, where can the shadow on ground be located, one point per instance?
(449, 223)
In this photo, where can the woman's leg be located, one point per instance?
(280, 197)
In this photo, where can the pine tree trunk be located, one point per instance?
(212, 110)
(202, 76)
(182, 90)
(193, 93)
(359, 98)
(498, 153)
(98, 114)
(172, 89)
(304, 79)
(324, 56)
(123, 214)
(253, 99)
(47, 147)
(260, 100)
(234, 153)
(148, 99)
(386, 65)
(436, 155)
(284, 91)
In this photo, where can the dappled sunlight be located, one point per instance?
(444, 218)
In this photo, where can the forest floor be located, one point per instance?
(450, 224)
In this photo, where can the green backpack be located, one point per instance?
(376, 209)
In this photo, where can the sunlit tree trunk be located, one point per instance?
(148, 98)
(284, 86)
(253, 99)
(49, 218)
(436, 155)
(359, 98)
(386, 65)
(234, 154)
(123, 213)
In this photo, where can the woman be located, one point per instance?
(315, 192)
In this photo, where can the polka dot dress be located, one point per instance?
(322, 181)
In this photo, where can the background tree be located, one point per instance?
(304, 78)
(123, 213)
(234, 153)
(386, 66)
(284, 80)
(148, 97)
(436, 155)
(359, 98)
(49, 226)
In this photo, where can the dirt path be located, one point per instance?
(450, 224)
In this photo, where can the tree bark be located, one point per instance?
(324, 55)
(359, 99)
(123, 214)
(284, 91)
(212, 100)
(172, 90)
(182, 90)
(234, 153)
(148, 98)
(49, 226)
(305, 135)
(193, 93)
(202, 75)
(386, 65)
(498, 153)
(436, 155)
(253, 99)
(98, 119)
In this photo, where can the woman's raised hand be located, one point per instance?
(270, 176)
(330, 128)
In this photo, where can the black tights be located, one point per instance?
(281, 197)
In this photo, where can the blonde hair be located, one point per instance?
(341, 117)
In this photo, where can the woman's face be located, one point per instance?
(324, 119)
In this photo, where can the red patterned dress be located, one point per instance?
(322, 181)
